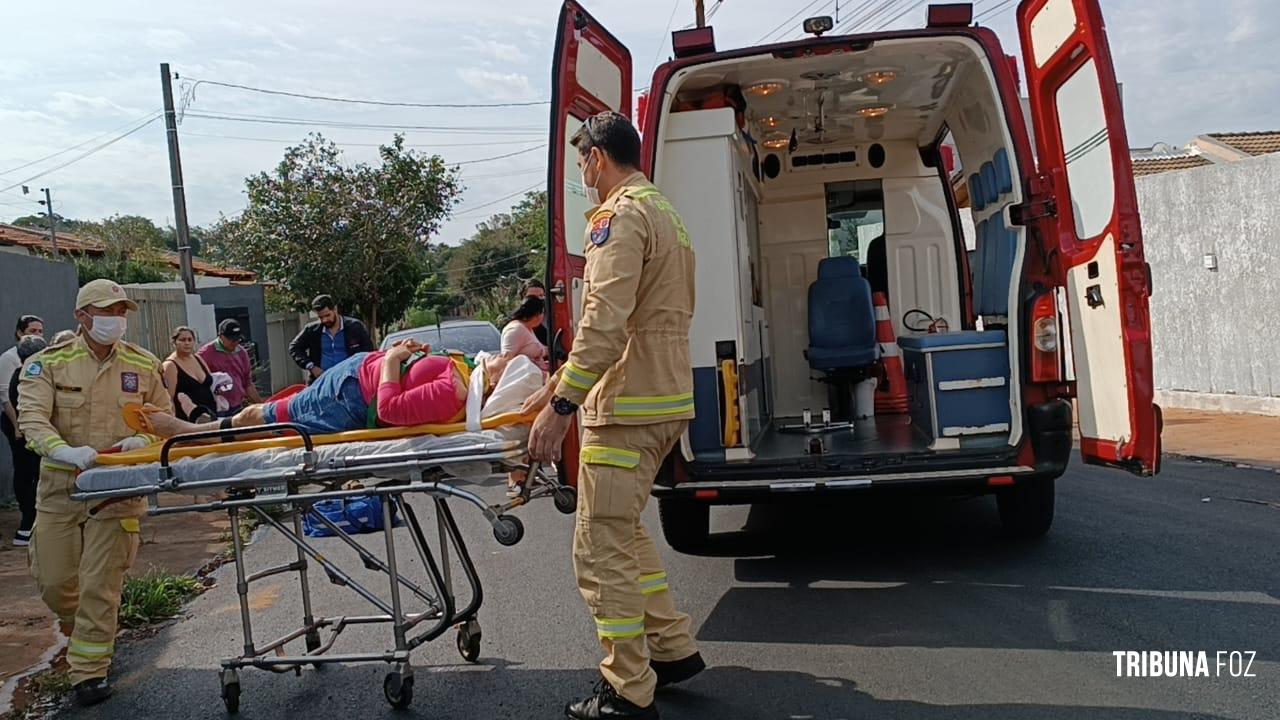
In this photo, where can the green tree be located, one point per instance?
(356, 232)
(133, 251)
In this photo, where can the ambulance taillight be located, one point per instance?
(1046, 345)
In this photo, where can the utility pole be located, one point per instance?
(175, 175)
(701, 12)
(53, 222)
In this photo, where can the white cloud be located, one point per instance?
(498, 85)
(167, 39)
(494, 50)
(74, 105)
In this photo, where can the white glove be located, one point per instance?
(82, 457)
(133, 442)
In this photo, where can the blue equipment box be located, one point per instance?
(957, 384)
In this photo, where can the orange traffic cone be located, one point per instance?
(891, 393)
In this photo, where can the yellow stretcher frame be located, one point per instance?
(151, 453)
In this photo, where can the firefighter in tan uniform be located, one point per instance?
(629, 371)
(69, 408)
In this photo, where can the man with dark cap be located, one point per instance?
(226, 354)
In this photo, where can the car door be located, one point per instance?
(591, 73)
(1092, 225)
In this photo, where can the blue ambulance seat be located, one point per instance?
(842, 322)
(1004, 176)
(977, 196)
(988, 173)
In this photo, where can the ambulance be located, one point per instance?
(906, 279)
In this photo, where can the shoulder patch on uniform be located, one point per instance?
(34, 368)
(600, 227)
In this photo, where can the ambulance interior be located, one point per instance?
(836, 200)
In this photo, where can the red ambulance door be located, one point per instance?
(591, 73)
(1093, 227)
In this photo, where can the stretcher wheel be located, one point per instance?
(398, 690)
(469, 640)
(566, 499)
(230, 691)
(508, 530)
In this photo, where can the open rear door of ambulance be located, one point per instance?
(1092, 226)
(590, 73)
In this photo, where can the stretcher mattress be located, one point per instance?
(244, 467)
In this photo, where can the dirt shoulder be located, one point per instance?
(177, 543)
(1244, 439)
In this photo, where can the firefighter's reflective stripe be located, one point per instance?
(63, 356)
(574, 376)
(131, 525)
(653, 406)
(655, 583)
(662, 203)
(55, 465)
(615, 457)
(51, 443)
(617, 628)
(90, 651)
(136, 359)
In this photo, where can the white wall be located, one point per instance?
(1215, 334)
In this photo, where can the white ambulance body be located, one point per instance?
(812, 174)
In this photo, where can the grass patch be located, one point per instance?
(155, 596)
(37, 696)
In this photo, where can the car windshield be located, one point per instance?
(470, 339)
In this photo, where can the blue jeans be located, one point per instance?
(333, 403)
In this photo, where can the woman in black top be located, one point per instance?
(188, 379)
(26, 464)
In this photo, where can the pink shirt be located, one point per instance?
(232, 362)
(425, 395)
(518, 339)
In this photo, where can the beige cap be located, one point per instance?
(102, 293)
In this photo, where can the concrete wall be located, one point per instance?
(1215, 339)
(31, 285)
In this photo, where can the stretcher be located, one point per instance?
(280, 480)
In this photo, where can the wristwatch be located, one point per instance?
(563, 406)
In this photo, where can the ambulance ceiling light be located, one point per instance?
(880, 77)
(771, 122)
(874, 111)
(765, 88)
(775, 140)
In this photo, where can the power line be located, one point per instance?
(786, 22)
(78, 145)
(993, 12)
(895, 18)
(508, 173)
(353, 101)
(658, 53)
(358, 144)
(91, 151)
(499, 157)
(444, 129)
(864, 13)
(481, 206)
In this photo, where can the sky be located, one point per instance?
(86, 71)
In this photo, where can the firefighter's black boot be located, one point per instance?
(606, 704)
(670, 672)
(92, 691)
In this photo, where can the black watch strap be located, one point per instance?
(563, 406)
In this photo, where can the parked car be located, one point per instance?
(469, 336)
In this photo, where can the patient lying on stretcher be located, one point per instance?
(402, 386)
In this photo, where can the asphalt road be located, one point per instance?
(869, 610)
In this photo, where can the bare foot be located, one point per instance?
(166, 425)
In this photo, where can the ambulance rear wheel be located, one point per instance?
(686, 524)
(1026, 509)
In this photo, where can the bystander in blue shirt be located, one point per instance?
(333, 347)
